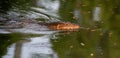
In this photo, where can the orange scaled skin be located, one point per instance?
(62, 26)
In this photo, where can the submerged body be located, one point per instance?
(62, 26)
(52, 25)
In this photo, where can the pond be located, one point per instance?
(98, 36)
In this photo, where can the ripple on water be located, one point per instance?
(4, 31)
(34, 29)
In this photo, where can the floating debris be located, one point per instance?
(74, 17)
(84, 5)
(71, 12)
(101, 53)
(110, 34)
(91, 54)
(55, 41)
(115, 44)
(82, 44)
(93, 30)
(101, 34)
(71, 46)
(87, 28)
(89, 11)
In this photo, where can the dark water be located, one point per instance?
(98, 39)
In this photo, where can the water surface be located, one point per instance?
(98, 37)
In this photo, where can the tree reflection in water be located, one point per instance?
(100, 38)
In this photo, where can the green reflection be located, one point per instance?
(110, 17)
(6, 5)
(6, 40)
(66, 10)
(100, 39)
(82, 44)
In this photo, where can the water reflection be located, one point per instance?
(38, 9)
(102, 49)
(36, 47)
(49, 8)
(96, 14)
(10, 52)
(52, 5)
(98, 39)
